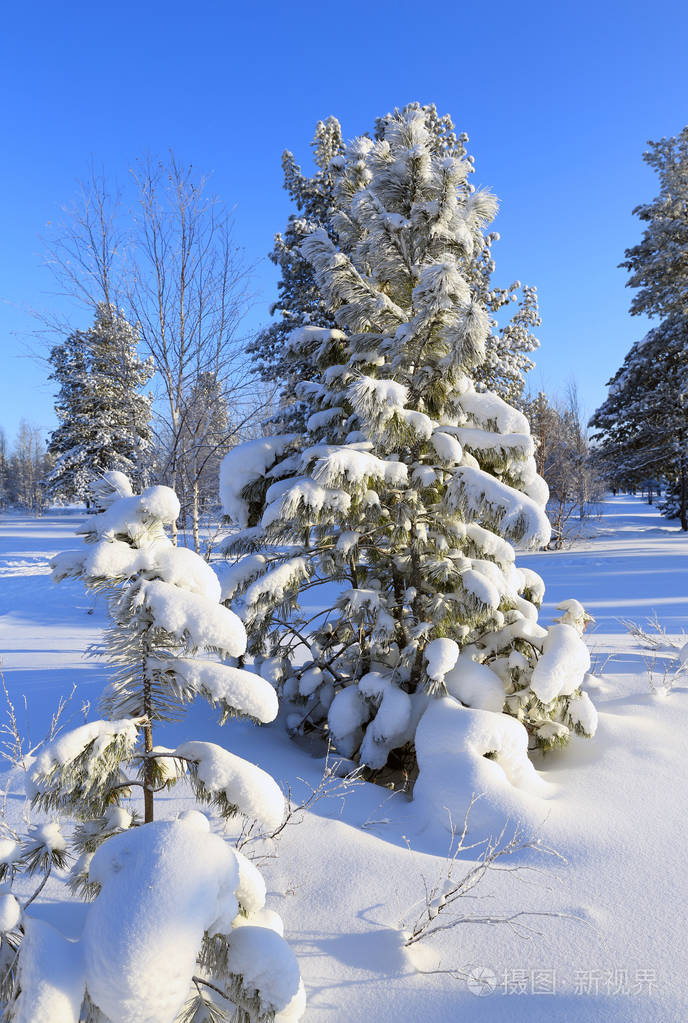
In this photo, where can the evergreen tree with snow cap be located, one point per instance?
(196, 940)
(104, 418)
(321, 199)
(409, 487)
(300, 301)
(640, 428)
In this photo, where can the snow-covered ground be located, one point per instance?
(350, 873)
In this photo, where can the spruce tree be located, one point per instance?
(408, 488)
(320, 200)
(177, 929)
(657, 265)
(104, 417)
(641, 426)
(640, 429)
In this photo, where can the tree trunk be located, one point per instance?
(173, 525)
(194, 518)
(684, 496)
(148, 767)
(148, 784)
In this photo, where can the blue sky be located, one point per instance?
(558, 100)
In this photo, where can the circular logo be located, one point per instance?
(481, 980)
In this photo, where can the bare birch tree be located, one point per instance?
(171, 264)
(563, 458)
(188, 291)
(87, 248)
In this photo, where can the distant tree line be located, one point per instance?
(23, 469)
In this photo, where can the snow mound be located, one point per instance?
(129, 516)
(232, 577)
(276, 583)
(563, 665)
(347, 714)
(441, 656)
(51, 975)
(584, 713)
(574, 614)
(67, 564)
(487, 409)
(368, 395)
(245, 464)
(268, 968)
(477, 495)
(70, 745)
(160, 503)
(190, 616)
(10, 912)
(181, 567)
(243, 691)
(112, 485)
(253, 791)
(112, 559)
(390, 725)
(475, 685)
(251, 889)
(451, 744)
(177, 880)
(447, 447)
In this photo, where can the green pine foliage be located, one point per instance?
(104, 418)
(640, 428)
(388, 526)
(322, 200)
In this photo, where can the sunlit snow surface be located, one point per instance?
(345, 881)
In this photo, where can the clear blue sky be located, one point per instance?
(558, 99)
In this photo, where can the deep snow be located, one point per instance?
(346, 881)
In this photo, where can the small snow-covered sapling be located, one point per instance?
(194, 940)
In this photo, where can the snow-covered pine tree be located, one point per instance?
(320, 200)
(300, 301)
(408, 488)
(196, 940)
(640, 426)
(640, 429)
(657, 264)
(104, 417)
